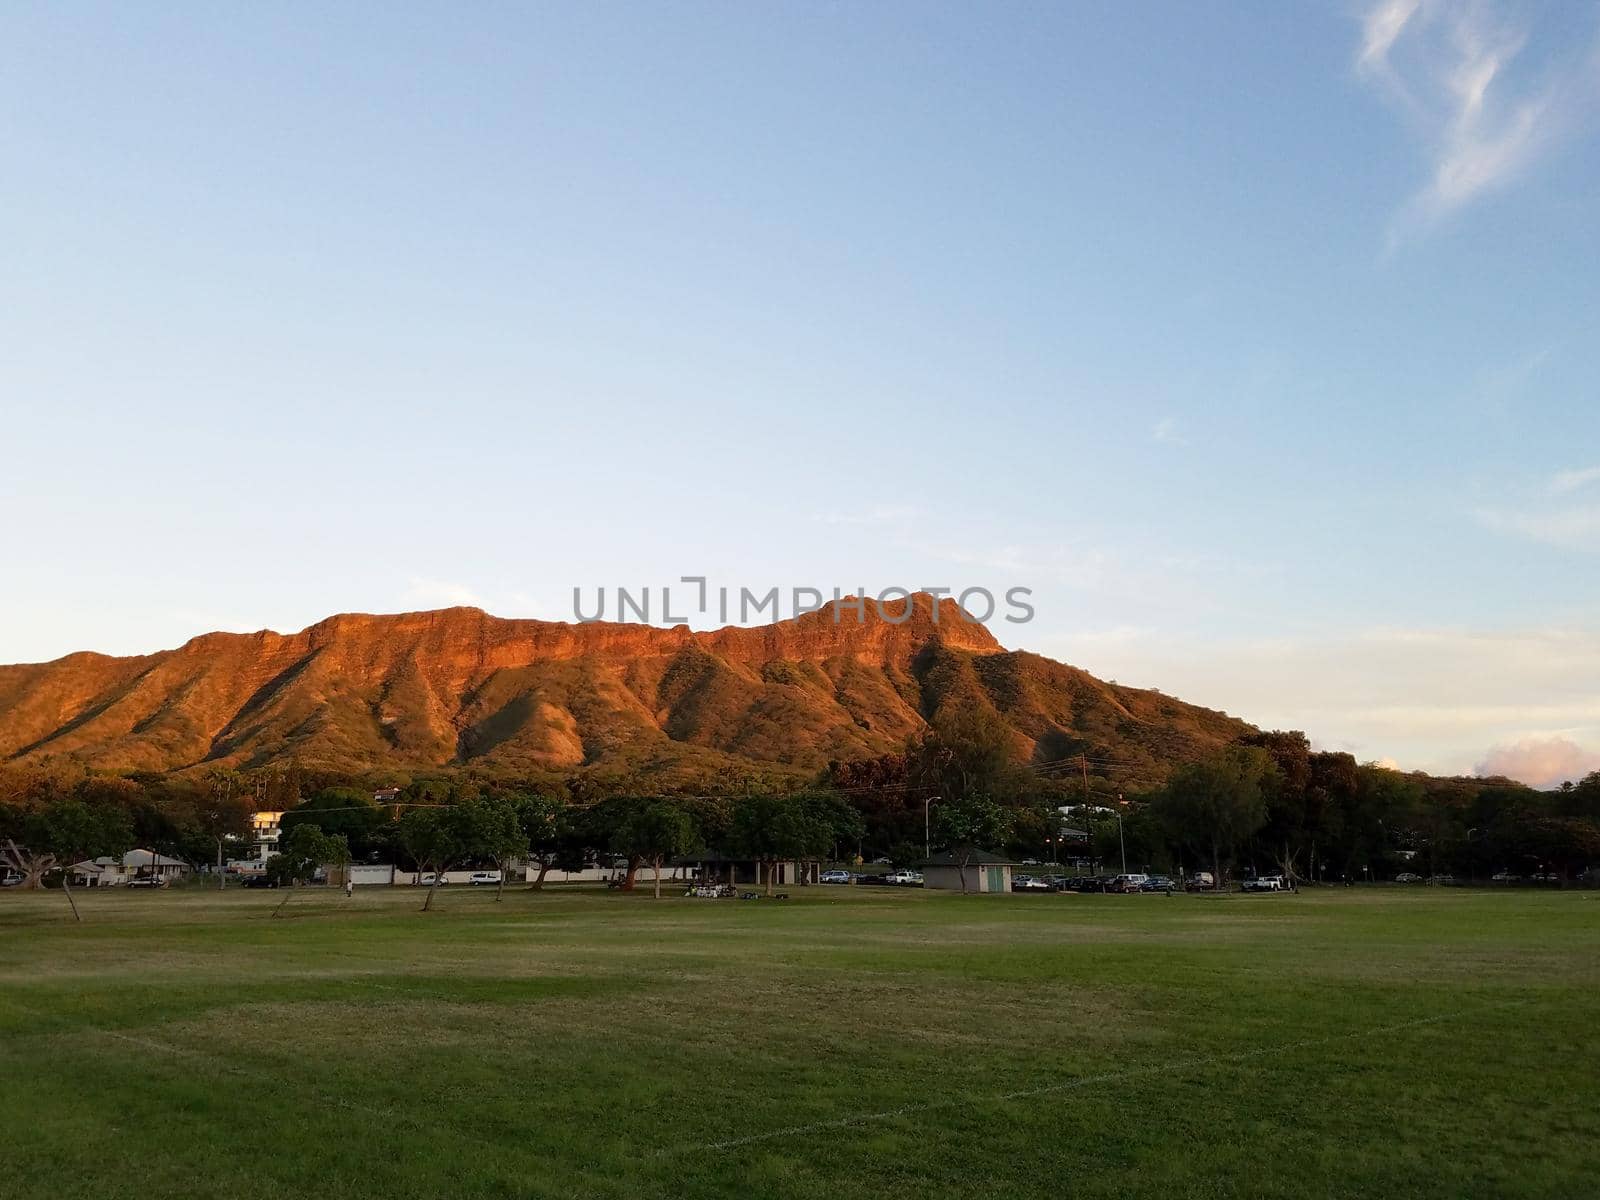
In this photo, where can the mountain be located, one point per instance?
(459, 687)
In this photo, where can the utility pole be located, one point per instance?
(1121, 840)
(927, 828)
(1088, 817)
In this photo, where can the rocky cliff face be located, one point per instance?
(459, 686)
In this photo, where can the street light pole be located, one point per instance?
(927, 828)
(1122, 842)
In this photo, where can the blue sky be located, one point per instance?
(1258, 339)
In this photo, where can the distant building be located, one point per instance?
(135, 864)
(984, 872)
(386, 795)
(264, 834)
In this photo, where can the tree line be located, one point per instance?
(1266, 803)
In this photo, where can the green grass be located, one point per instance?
(847, 1043)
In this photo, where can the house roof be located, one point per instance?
(966, 857)
(145, 858)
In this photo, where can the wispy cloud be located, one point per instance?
(1484, 108)
(1553, 514)
(1564, 483)
(1168, 430)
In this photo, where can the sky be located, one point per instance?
(1260, 341)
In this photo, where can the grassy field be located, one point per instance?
(846, 1043)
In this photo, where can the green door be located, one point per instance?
(997, 879)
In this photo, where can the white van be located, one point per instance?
(481, 877)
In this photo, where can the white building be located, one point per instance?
(135, 864)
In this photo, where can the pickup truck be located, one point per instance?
(1265, 883)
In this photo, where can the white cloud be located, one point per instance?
(1566, 482)
(1167, 430)
(1541, 761)
(1430, 698)
(1381, 28)
(1484, 109)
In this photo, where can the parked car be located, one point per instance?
(834, 877)
(148, 881)
(872, 880)
(1027, 883)
(11, 879)
(1505, 877)
(426, 880)
(479, 878)
(1128, 883)
(1442, 880)
(1408, 877)
(1265, 883)
(1202, 881)
(1158, 883)
(259, 880)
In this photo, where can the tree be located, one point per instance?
(1218, 803)
(64, 832)
(605, 829)
(501, 837)
(653, 831)
(800, 826)
(967, 750)
(965, 826)
(347, 811)
(431, 838)
(545, 823)
(301, 852)
(440, 838)
(221, 813)
(1285, 828)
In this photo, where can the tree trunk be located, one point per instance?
(288, 892)
(222, 880)
(538, 883)
(66, 886)
(427, 902)
(961, 874)
(633, 870)
(1216, 866)
(500, 891)
(770, 873)
(658, 877)
(31, 867)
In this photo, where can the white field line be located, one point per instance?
(1081, 1081)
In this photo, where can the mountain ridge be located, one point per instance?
(460, 687)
